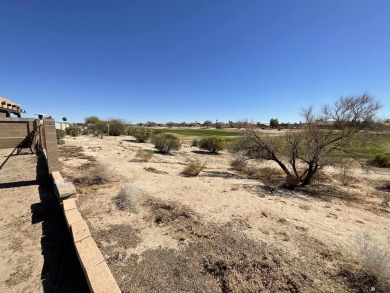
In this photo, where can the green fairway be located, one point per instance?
(378, 144)
(200, 132)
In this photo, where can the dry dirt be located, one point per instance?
(36, 252)
(224, 232)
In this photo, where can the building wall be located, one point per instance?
(14, 130)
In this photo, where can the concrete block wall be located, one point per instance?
(96, 270)
(50, 143)
(14, 130)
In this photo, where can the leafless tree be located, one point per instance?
(301, 153)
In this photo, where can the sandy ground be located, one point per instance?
(33, 235)
(20, 246)
(335, 217)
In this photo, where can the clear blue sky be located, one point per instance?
(188, 60)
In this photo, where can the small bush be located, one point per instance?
(141, 134)
(166, 142)
(73, 131)
(382, 161)
(213, 144)
(86, 131)
(127, 199)
(144, 155)
(60, 134)
(96, 175)
(345, 176)
(193, 168)
(385, 197)
(269, 176)
(195, 143)
(116, 127)
(374, 258)
(238, 164)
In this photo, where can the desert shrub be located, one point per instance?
(96, 175)
(195, 143)
(213, 144)
(269, 176)
(193, 168)
(60, 134)
(385, 198)
(291, 182)
(127, 199)
(73, 131)
(86, 131)
(321, 177)
(166, 142)
(117, 128)
(238, 164)
(374, 258)
(382, 161)
(141, 134)
(144, 155)
(345, 176)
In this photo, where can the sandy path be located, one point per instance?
(36, 253)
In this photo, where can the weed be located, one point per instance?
(96, 175)
(374, 258)
(193, 168)
(144, 155)
(128, 198)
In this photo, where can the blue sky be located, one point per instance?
(192, 60)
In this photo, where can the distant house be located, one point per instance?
(62, 125)
(7, 107)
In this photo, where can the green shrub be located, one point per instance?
(141, 134)
(195, 143)
(116, 129)
(86, 131)
(60, 133)
(193, 168)
(213, 144)
(73, 131)
(166, 142)
(382, 161)
(144, 155)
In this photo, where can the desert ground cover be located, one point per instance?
(223, 231)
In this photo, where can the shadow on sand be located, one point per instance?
(61, 270)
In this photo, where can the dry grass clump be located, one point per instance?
(128, 198)
(73, 152)
(193, 168)
(144, 155)
(345, 176)
(270, 176)
(96, 175)
(238, 164)
(375, 258)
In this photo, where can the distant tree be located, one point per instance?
(207, 123)
(301, 153)
(274, 122)
(116, 126)
(64, 119)
(170, 124)
(183, 124)
(150, 124)
(241, 124)
(92, 120)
